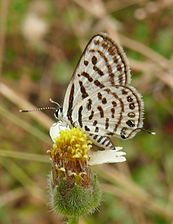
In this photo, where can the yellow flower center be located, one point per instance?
(72, 143)
(69, 156)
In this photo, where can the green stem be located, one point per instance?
(73, 220)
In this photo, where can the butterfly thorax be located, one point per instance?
(58, 114)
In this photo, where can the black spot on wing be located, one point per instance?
(94, 60)
(101, 111)
(80, 116)
(99, 95)
(105, 139)
(86, 128)
(99, 139)
(95, 136)
(131, 114)
(91, 115)
(95, 123)
(98, 70)
(96, 42)
(113, 112)
(99, 84)
(119, 67)
(107, 123)
(130, 123)
(89, 104)
(123, 132)
(86, 75)
(96, 129)
(70, 106)
(114, 104)
(124, 92)
(86, 62)
(104, 101)
(108, 143)
(83, 90)
(129, 99)
(105, 45)
(132, 106)
(110, 133)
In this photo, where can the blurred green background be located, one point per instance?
(40, 44)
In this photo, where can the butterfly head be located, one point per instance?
(58, 110)
(58, 113)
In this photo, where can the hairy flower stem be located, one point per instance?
(73, 220)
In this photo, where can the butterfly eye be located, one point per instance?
(56, 114)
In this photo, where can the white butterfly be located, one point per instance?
(99, 98)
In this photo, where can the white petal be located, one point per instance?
(55, 130)
(107, 156)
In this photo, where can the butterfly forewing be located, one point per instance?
(99, 98)
(102, 63)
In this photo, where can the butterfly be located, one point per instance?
(99, 98)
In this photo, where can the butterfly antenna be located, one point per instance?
(38, 109)
(52, 101)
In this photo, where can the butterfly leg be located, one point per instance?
(102, 141)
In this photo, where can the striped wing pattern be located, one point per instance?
(99, 98)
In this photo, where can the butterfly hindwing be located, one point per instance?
(116, 110)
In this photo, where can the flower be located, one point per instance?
(70, 155)
(74, 189)
(94, 157)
